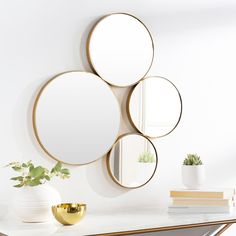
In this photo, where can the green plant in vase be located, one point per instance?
(35, 197)
(193, 173)
(192, 160)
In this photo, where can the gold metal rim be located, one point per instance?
(109, 163)
(69, 204)
(34, 117)
(167, 228)
(130, 116)
(88, 48)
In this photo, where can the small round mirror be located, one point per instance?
(120, 49)
(76, 117)
(132, 161)
(155, 106)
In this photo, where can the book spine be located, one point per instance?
(203, 210)
(199, 202)
(197, 194)
(201, 199)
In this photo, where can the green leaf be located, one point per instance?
(31, 167)
(47, 177)
(24, 165)
(58, 166)
(18, 185)
(34, 182)
(65, 171)
(29, 163)
(19, 178)
(16, 168)
(36, 172)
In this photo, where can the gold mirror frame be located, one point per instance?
(110, 169)
(109, 151)
(90, 59)
(35, 126)
(129, 113)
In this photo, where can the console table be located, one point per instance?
(122, 222)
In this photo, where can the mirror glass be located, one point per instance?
(132, 161)
(155, 106)
(76, 117)
(120, 49)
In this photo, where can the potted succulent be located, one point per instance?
(35, 197)
(146, 166)
(193, 171)
(146, 157)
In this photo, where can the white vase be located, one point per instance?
(193, 176)
(33, 204)
(3, 211)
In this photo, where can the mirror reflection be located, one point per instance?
(132, 161)
(76, 117)
(155, 106)
(120, 49)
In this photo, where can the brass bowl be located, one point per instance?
(69, 213)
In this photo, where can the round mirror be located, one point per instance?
(155, 106)
(120, 49)
(132, 161)
(76, 117)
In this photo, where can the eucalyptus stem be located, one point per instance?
(31, 175)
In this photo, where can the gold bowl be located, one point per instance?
(69, 213)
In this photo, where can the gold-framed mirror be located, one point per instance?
(155, 106)
(132, 161)
(120, 49)
(76, 117)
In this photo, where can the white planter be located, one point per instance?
(33, 204)
(145, 171)
(193, 176)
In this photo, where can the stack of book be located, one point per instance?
(202, 201)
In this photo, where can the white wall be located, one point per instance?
(195, 49)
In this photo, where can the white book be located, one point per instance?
(200, 209)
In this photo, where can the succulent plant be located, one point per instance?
(192, 160)
(30, 175)
(146, 157)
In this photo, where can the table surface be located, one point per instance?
(117, 223)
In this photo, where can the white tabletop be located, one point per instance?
(117, 221)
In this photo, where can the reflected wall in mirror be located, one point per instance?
(120, 49)
(132, 161)
(76, 117)
(155, 106)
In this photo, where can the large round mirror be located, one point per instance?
(76, 117)
(155, 106)
(132, 161)
(120, 49)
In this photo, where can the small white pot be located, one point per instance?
(193, 176)
(33, 204)
(145, 171)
